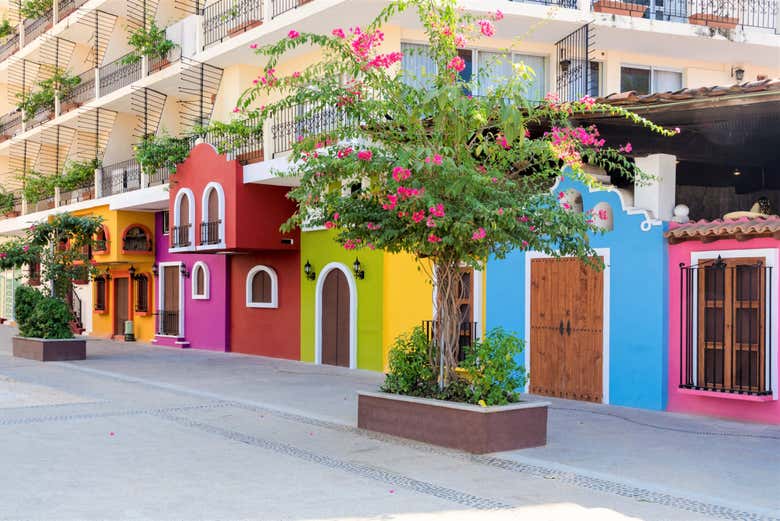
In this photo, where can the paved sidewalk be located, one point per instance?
(143, 432)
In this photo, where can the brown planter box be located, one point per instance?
(157, 67)
(250, 157)
(44, 350)
(621, 8)
(461, 426)
(67, 107)
(249, 24)
(12, 213)
(718, 22)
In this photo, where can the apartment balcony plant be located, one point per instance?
(620, 8)
(39, 104)
(150, 42)
(241, 16)
(6, 29)
(34, 9)
(7, 204)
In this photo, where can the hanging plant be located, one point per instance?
(156, 152)
(231, 136)
(6, 201)
(38, 186)
(6, 29)
(34, 9)
(48, 89)
(150, 42)
(77, 174)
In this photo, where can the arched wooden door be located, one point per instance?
(335, 319)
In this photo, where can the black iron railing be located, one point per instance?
(282, 6)
(137, 244)
(573, 69)
(35, 28)
(294, 123)
(725, 326)
(209, 232)
(83, 192)
(10, 124)
(168, 322)
(723, 14)
(41, 116)
(180, 236)
(75, 307)
(466, 335)
(246, 149)
(9, 46)
(115, 75)
(571, 4)
(227, 18)
(66, 7)
(121, 177)
(157, 63)
(81, 93)
(159, 177)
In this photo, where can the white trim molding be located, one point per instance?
(771, 256)
(184, 192)
(353, 305)
(205, 294)
(274, 288)
(602, 252)
(213, 185)
(161, 296)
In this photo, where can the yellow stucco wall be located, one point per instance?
(118, 263)
(407, 298)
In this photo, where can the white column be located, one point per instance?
(57, 197)
(97, 82)
(55, 12)
(24, 205)
(584, 6)
(98, 183)
(267, 10)
(144, 66)
(144, 179)
(658, 194)
(57, 104)
(268, 142)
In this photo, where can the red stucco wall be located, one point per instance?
(259, 331)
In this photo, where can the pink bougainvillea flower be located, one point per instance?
(400, 173)
(437, 211)
(365, 155)
(479, 234)
(501, 140)
(532, 228)
(566, 206)
(349, 244)
(236, 109)
(296, 74)
(500, 211)
(437, 159)
(418, 216)
(293, 34)
(561, 195)
(335, 216)
(460, 40)
(328, 225)
(486, 28)
(499, 15)
(392, 202)
(253, 46)
(401, 215)
(494, 180)
(457, 64)
(25, 248)
(627, 148)
(373, 226)
(254, 82)
(481, 168)
(676, 130)
(433, 238)
(338, 33)
(344, 152)
(525, 244)
(430, 223)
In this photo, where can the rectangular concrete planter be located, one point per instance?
(45, 350)
(461, 426)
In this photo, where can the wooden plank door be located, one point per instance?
(335, 319)
(548, 307)
(170, 313)
(121, 307)
(584, 334)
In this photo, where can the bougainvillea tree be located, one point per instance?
(419, 164)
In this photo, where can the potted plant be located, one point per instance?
(157, 152)
(34, 9)
(6, 29)
(7, 200)
(453, 180)
(38, 186)
(243, 20)
(152, 43)
(44, 318)
(59, 84)
(621, 8)
(242, 137)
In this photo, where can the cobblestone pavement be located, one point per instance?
(141, 432)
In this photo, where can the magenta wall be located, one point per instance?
(759, 409)
(205, 321)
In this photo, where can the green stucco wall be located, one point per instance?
(319, 248)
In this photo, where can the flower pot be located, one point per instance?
(621, 8)
(68, 106)
(45, 350)
(160, 65)
(65, 13)
(250, 157)
(303, 2)
(715, 21)
(4, 137)
(12, 213)
(490, 429)
(244, 26)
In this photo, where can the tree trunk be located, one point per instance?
(447, 331)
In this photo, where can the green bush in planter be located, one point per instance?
(492, 369)
(39, 316)
(411, 369)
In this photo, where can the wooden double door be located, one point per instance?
(566, 337)
(121, 304)
(335, 319)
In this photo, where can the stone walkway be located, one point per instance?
(143, 432)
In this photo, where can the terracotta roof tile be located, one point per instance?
(722, 228)
(632, 98)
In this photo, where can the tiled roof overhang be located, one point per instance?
(740, 229)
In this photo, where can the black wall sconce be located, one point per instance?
(108, 274)
(309, 271)
(183, 270)
(357, 269)
(155, 270)
(738, 73)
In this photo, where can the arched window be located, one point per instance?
(136, 239)
(183, 217)
(212, 227)
(262, 289)
(571, 200)
(200, 281)
(142, 293)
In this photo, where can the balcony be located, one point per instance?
(209, 233)
(227, 18)
(9, 46)
(66, 7)
(717, 14)
(10, 125)
(180, 236)
(120, 178)
(115, 75)
(80, 94)
(35, 28)
(294, 122)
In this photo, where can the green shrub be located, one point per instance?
(411, 371)
(26, 299)
(50, 319)
(492, 369)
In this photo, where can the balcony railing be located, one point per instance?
(725, 326)
(282, 6)
(81, 93)
(121, 177)
(466, 336)
(115, 75)
(40, 117)
(157, 64)
(35, 28)
(570, 4)
(84, 192)
(209, 232)
(227, 18)
(245, 149)
(168, 322)
(66, 7)
(293, 123)
(180, 236)
(9, 46)
(160, 177)
(10, 124)
(719, 14)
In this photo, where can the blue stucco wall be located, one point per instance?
(638, 297)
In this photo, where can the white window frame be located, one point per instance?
(652, 69)
(771, 256)
(274, 288)
(161, 294)
(205, 295)
(184, 192)
(213, 185)
(511, 54)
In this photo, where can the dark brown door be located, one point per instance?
(335, 319)
(466, 307)
(121, 307)
(566, 329)
(170, 313)
(213, 206)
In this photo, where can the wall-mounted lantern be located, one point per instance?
(357, 269)
(309, 271)
(183, 270)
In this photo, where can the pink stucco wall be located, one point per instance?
(708, 403)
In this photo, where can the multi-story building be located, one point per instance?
(196, 258)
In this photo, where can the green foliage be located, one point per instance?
(6, 201)
(38, 186)
(60, 83)
(26, 299)
(410, 363)
(34, 9)
(77, 174)
(49, 318)
(227, 137)
(150, 42)
(492, 369)
(17, 252)
(156, 152)
(6, 29)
